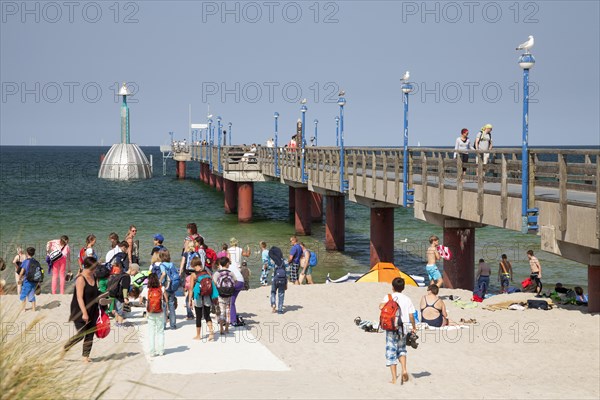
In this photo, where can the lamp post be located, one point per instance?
(406, 89)
(275, 158)
(303, 109)
(526, 62)
(316, 133)
(210, 143)
(230, 142)
(194, 139)
(337, 131)
(343, 183)
(220, 168)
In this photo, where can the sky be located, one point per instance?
(62, 62)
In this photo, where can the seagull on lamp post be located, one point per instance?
(303, 101)
(405, 76)
(526, 45)
(342, 93)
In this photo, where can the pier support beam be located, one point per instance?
(292, 199)
(302, 211)
(316, 207)
(594, 284)
(204, 172)
(219, 184)
(180, 169)
(231, 196)
(335, 223)
(212, 179)
(245, 197)
(459, 271)
(382, 235)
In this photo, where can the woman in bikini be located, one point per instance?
(17, 261)
(433, 309)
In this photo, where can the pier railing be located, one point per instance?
(562, 169)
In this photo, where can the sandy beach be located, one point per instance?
(316, 351)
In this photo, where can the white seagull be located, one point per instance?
(405, 76)
(526, 45)
(405, 240)
(342, 93)
(303, 101)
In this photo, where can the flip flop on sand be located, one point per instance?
(468, 321)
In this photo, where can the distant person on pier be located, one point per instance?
(133, 253)
(433, 255)
(536, 271)
(292, 144)
(294, 260)
(483, 141)
(505, 273)
(270, 143)
(462, 145)
(60, 266)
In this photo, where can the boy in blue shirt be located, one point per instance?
(28, 289)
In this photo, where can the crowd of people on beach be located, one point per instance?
(210, 281)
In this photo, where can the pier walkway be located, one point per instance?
(563, 195)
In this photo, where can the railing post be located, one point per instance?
(424, 179)
(562, 195)
(504, 190)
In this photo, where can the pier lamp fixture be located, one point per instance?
(229, 125)
(194, 140)
(526, 62)
(210, 143)
(316, 138)
(342, 102)
(220, 167)
(275, 157)
(303, 110)
(337, 131)
(407, 88)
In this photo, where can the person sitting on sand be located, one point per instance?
(433, 309)
(395, 342)
(580, 298)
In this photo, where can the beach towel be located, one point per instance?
(464, 304)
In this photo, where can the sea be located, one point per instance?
(46, 192)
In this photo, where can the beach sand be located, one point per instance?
(506, 354)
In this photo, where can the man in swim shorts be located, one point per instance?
(536, 271)
(433, 256)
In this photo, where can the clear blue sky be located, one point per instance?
(54, 58)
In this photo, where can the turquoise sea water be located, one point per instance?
(46, 192)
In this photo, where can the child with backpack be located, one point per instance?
(186, 269)
(171, 284)
(396, 308)
(32, 275)
(204, 292)
(279, 284)
(157, 298)
(118, 289)
(225, 282)
(267, 264)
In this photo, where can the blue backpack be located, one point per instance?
(173, 279)
(279, 272)
(312, 261)
(156, 270)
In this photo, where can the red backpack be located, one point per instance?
(388, 319)
(211, 258)
(154, 300)
(206, 288)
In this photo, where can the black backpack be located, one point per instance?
(35, 274)
(114, 285)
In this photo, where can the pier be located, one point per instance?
(562, 202)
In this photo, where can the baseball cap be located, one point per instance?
(159, 237)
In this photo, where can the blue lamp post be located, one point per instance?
(230, 142)
(193, 144)
(407, 88)
(303, 109)
(337, 131)
(316, 133)
(275, 158)
(526, 62)
(220, 168)
(343, 183)
(210, 143)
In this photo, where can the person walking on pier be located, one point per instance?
(536, 271)
(433, 255)
(483, 141)
(60, 266)
(462, 145)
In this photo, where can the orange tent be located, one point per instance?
(386, 272)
